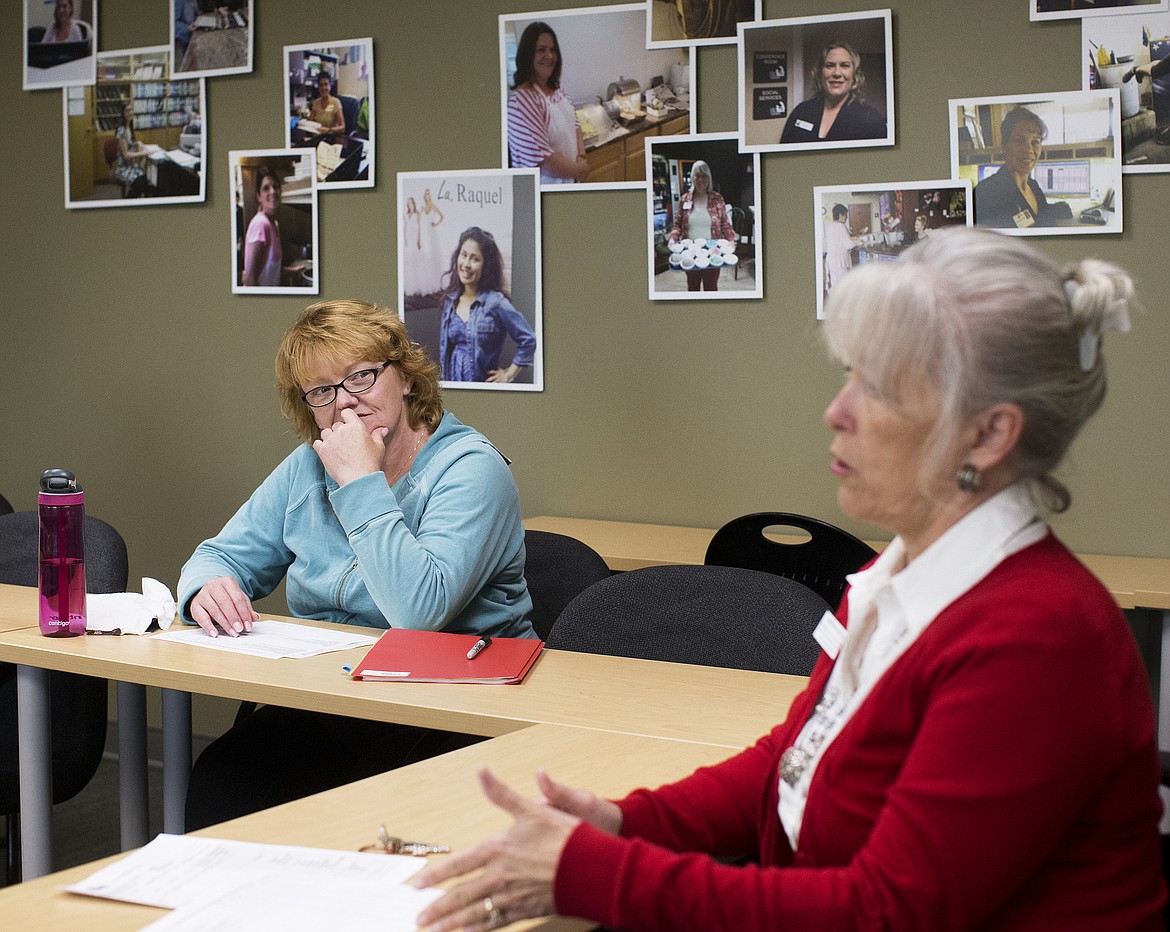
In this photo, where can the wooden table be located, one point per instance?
(437, 801)
(703, 705)
(1135, 582)
(18, 610)
(18, 607)
(1141, 585)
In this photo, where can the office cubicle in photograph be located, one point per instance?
(274, 221)
(329, 107)
(1084, 9)
(580, 94)
(816, 82)
(60, 43)
(1041, 164)
(855, 224)
(1132, 53)
(469, 275)
(678, 23)
(702, 207)
(136, 137)
(212, 38)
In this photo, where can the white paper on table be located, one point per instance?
(290, 904)
(175, 871)
(274, 639)
(179, 157)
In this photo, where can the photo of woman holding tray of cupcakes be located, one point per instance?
(702, 218)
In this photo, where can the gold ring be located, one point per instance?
(494, 914)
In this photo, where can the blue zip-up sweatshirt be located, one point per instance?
(443, 549)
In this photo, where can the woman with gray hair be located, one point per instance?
(838, 111)
(702, 214)
(976, 747)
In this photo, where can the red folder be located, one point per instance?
(405, 656)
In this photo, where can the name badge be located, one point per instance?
(830, 634)
(1024, 219)
(804, 125)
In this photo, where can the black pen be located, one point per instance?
(478, 647)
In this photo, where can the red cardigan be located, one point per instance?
(1002, 775)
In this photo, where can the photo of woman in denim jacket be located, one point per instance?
(477, 315)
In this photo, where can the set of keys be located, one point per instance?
(392, 844)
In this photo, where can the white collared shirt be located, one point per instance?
(906, 600)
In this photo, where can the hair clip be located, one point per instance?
(1114, 318)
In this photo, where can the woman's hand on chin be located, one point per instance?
(348, 451)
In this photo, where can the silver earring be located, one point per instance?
(968, 478)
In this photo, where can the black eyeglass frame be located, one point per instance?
(377, 370)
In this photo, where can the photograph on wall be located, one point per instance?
(136, 137)
(469, 274)
(824, 82)
(580, 94)
(859, 223)
(676, 23)
(1041, 164)
(211, 38)
(702, 207)
(1086, 9)
(1132, 53)
(329, 107)
(61, 41)
(274, 221)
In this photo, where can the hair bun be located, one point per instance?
(1100, 295)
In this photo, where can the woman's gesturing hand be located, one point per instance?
(512, 872)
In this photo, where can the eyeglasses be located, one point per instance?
(355, 383)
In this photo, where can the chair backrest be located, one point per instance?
(821, 563)
(5, 507)
(106, 564)
(718, 616)
(35, 34)
(741, 222)
(349, 110)
(78, 719)
(110, 150)
(557, 568)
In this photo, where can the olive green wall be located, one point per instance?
(126, 358)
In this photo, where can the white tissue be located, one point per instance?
(131, 612)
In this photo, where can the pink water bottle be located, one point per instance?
(61, 505)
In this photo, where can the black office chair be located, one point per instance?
(557, 568)
(349, 112)
(5, 507)
(821, 563)
(718, 616)
(743, 223)
(78, 725)
(356, 131)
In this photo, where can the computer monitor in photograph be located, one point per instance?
(1064, 179)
